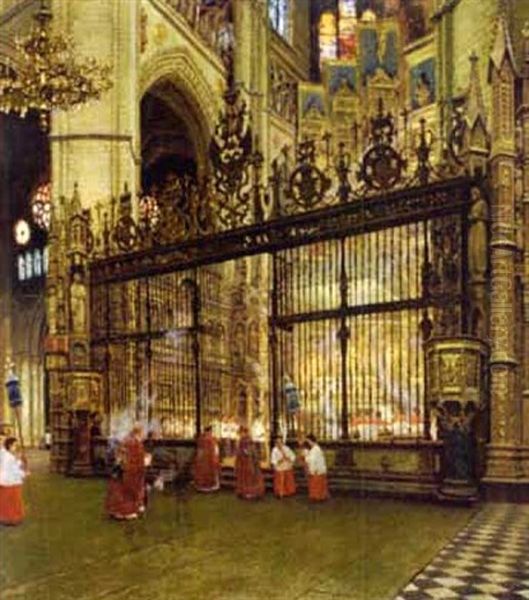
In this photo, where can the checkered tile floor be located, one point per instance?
(488, 560)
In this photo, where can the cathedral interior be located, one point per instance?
(301, 216)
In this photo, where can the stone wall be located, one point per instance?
(473, 25)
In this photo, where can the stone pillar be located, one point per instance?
(94, 149)
(523, 115)
(243, 14)
(504, 404)
(260, 82)
(6, 258)
(457, 369)
(74, 389)
(97, 146)
(252, 63)
(56, 342)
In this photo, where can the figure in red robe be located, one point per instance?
(126, 487)
(206, 470)
(249, 478)
(12, 475)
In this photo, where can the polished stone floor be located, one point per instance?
(217, 547)
(487, 560)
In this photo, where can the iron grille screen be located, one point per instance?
(342, 321)
(368, 287)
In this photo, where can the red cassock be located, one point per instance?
(318, 489)
(125, 496)
(207, 466)
(11, 505)
(249, 478)
(284, 483)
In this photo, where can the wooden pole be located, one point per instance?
(18, 419)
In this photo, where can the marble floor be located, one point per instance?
(487, 560)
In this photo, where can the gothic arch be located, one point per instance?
(198, 109)
(28, 332)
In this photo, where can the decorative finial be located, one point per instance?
(475, 107)
(502, 47)
(75, 202)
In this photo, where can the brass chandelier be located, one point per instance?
(48, 76)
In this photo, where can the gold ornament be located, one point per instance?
(49, 76)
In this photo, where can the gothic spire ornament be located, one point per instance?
(47, 75)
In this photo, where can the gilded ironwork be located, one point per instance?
(307, 185)
(147, 328)
(234, 197)
(231, 156)
(126, 233)
(382, 166)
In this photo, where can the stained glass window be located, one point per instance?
(21, 267)
(347, 28)
(337, 31)
(29, 264)
(37, 263)
(32, 264)
(41, 206)
(328, 44)
(278, 11)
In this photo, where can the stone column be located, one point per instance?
(504, 405)
(243, 14)
(97, 146)
(251, 63)
(260, 83)
(6, 258)
(523, 115)
(94, 149)
(75, 390)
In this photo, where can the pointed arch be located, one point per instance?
(203, 103)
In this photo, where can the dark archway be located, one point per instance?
(24, 168)
(169, 145)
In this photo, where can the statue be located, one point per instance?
(78, 304)
(423, 91)
(477, 237)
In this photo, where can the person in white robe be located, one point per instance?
(283, 459)
(12, 475)
(316, 470)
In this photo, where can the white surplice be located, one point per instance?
(282, 459)
(316, 461)
(11, 471)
